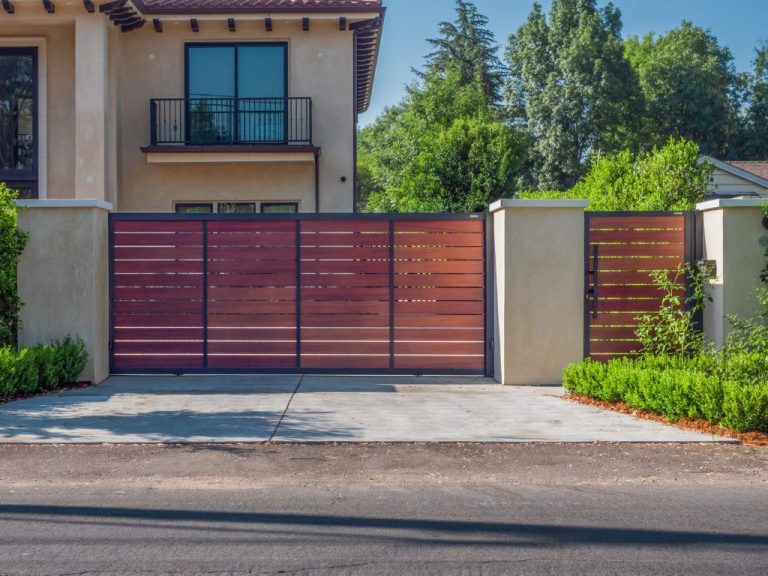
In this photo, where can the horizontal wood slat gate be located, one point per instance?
(319, 293)
(622, 250)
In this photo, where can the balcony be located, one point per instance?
(213, 127)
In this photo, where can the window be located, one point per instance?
(236, 207)
(279, 207)
(18, 120)
(236, 93)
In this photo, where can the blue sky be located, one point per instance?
(738, 24)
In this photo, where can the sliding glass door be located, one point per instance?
(18, 120)
(236, 93)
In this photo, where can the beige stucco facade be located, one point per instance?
(539, 278)
(96, 115)
(732, 232)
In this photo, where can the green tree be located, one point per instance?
(752, 140)
(668, 178)
(571, 87)
(12, 242)
(470, 47)
(689, 86)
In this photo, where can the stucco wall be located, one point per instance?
(539, 271)
(732, 233)
(60, 56)
(319, 66)
(63, 280)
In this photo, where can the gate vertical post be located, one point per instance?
(490, 289)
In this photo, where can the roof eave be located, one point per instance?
(261, 10)
(735, 171)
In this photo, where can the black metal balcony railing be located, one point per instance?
(230, 121)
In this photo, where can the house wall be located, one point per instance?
(319, 66)
(730, 185)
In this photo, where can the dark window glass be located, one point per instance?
(237, 207)
(194, 208)
(236, 93)
(18, 118)
(279, 208)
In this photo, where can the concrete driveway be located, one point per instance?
(231, 409)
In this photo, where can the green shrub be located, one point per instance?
(27, 380)
(49, 366)
(73, 358)
(745, 407)
(7, 371)
(12, 242)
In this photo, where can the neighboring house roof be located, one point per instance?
(751, 171)
(367, 33)
(245, 6)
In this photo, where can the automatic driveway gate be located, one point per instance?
(319, 293)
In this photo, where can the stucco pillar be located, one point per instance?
(539, 275)
(731, 233)
(91, 97)
(63, 277)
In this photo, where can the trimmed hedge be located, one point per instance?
(44, 367)
(730, 389)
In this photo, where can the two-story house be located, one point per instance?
(186, 105)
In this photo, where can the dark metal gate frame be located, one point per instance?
(693, 251)
(489, 285)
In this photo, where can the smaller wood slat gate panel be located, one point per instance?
(622, 251)
(206, 293)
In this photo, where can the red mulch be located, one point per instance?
(25, 395)
(746, 438)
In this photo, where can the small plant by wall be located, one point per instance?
(12, 242)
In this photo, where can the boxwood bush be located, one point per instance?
(44, 367)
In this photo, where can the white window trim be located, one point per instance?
(258, 203)
(41, 44)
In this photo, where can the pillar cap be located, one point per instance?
(71, 203)
(518, 203)
(744, 202)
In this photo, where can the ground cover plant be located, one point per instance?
(42, 368)
(679, 375)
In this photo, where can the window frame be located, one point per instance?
(263, 205)
(215, 205)
(178, 205)
(19, 179)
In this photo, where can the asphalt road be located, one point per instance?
(384, 509)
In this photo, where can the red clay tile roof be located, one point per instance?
(244, 6)
(757, 167)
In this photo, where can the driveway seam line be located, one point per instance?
(287, 407)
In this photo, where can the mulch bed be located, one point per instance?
(702, 426)
(25, 395)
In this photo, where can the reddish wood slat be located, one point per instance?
(404, 227)
(251, 320)
(155, 348)
(447, 363)
(608, 357)
(350, 267)
(641, 250)
(344, 321)
(345, 362)
(624, 305)
(249, 253)
(330, 307)
(249, 362)
(446, 267)
(639, 264)
(421, 239)
(159, 239)
(167, 307)
(336, 226)
(622, 333)
(628, 277)
(164, 266)
(252, 294)
(421, 334)
(162, 333)
(437, 253)
(310, 239)
(157, 226)
(217, 347)
(613, 347)
(439, 348)
(253, 239)
(472, 294)
(279, 280)
(159, 280)
(250, 307)
(266, 334)
(443, 321)
(158, 320)
(345, 294)
(251, 266)
(344, 348)
(440, 280)
(634, 236)
(345, 253)
(439, 308)
(149, 362)
(165, 294)
(345, 280)
(605, 318)
(159, 253)
(344, 334)
(634, 292)
(256, 227)
(638, 222)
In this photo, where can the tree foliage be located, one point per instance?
(689, 87)
(752, 138)
(12, 242)
(571, 87)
